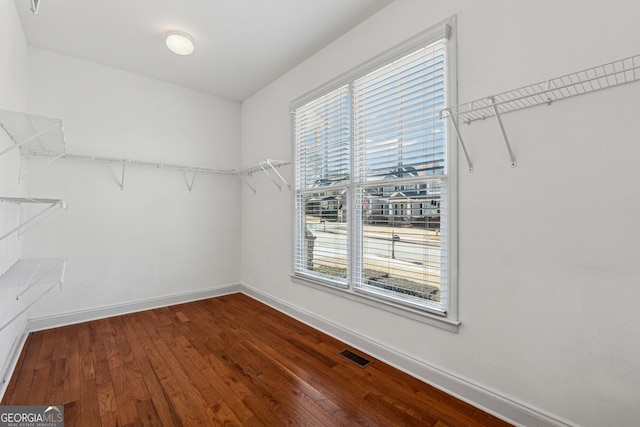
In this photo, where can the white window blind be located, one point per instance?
(322, 140)
(371, 182)
(399, 146)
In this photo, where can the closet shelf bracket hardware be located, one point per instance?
(593, 79)
(284, 181)
(247, 182)
(193, 179)
(267, 166)
(124, 167)
(27, 273)
(268, 163)
(504, 133)
(446, 112)
(35, 5)
(22, 176)
(270, 177)
(26, 225)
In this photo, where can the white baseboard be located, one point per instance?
(48, 322)
(12, 359)
(465, 390)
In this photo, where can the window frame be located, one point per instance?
(448, 320)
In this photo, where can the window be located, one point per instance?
(372, 185)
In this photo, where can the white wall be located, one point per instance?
(548, 263)
(13, 96)
(154, 239)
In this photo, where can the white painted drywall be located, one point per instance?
(13, 96)
(549, 261)
(155, 238)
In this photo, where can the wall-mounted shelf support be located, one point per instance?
(193, 179)
(268, 163)
(48, 210)
(26, 273)
(604, 76)
(249, 185)
(504, 134)
(22, 176)
(121, 183)
(264, 166)
(454, 124)
(35, 5)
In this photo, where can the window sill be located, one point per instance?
(400, 310)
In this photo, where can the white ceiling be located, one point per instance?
(241, 45)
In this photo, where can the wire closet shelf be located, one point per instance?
(593, 79)
(31, 132)
(264, 165)
(44, 136)
(27, 273)
(49, 207)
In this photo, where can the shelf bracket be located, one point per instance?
(121, 183)
(35, 5)
(22, 176)
(268, 162)
(279, 175)
(30, 282)
(53, 274)
(48, 210)
(504, 133)
(272, 180)
(193, 179)
(247, 182)
(8, 322)
(454, 124)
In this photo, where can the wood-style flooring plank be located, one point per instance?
(89, 403)
(20, 385)
(73, 366)
(148, 415)
(229, 361)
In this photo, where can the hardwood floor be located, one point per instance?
(224, 361)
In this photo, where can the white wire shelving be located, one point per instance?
(31, 132)
(264, 166)
(44, 136)
(49, 206)
(593, 79)
(25, 274)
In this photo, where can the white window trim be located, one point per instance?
(450, 320)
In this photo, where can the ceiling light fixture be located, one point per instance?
(180, 43)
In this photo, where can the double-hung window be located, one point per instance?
(373, 211)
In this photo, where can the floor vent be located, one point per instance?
(355, 358)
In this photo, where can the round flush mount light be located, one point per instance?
(180, 43)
